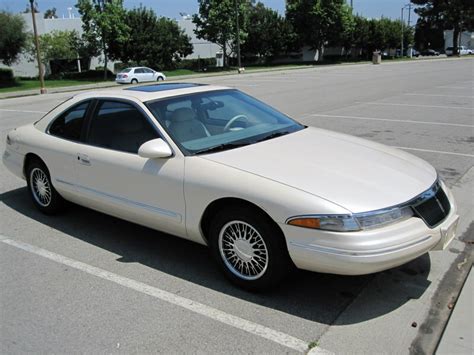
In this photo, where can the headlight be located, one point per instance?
(351, 223)
(383, 217)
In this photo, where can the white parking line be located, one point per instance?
(4, 109)
(435, 151)
(199, 308)
(234, 85)
(437, 95)
(454, 87)
(394, 120)
(250, 79)
(414, 105)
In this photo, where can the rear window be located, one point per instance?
(126, 70)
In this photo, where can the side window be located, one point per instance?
(120, 126)
(148, 71)
(69, 124)
(139, 71)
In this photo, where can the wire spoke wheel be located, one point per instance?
(243, 250)
(40, 187)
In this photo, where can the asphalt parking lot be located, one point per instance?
(86, 282)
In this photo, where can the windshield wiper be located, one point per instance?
(271, 136)
(221, 147)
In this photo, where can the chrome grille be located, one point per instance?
(432, 206)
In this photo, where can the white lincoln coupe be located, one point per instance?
(218, 167)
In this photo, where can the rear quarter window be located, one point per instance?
(69, 124)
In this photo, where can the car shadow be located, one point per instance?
(312, 296)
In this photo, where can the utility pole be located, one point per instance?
(37, 45)
(101, 4)
(401, 50)
(352, 5)
(239, 64)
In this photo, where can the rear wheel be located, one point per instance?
(249, 248)
(134, 81)
(41, 190)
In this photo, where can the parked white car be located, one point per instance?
(137, 75)
(218, 167)
(462, 50)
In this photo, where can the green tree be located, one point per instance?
(13, 37)
(428, 34)
(216, 22)
(361, 35)
(268, 33)
(50, 13)
(104, 26)
(57, 45)
(28, 8)
(320, 22)
(448, 14)
(168, 45)
(379, 34)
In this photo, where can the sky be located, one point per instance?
(172, 8)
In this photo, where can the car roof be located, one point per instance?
(151, 92)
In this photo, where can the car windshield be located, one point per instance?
(126, 70)
(219, 120)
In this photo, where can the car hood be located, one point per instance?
(353, 173)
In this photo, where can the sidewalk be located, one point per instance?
(108, 84)
(458, 337)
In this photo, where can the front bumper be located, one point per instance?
(366, 252)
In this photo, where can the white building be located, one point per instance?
(27, 68)
(201, 47)
(466, 39)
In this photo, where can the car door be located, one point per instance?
(141, 75)
(65, 134)
(149, 74)
(115, 180)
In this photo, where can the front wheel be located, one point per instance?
(160, 78)
(42, 192)
(249, 248)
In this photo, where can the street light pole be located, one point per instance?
(37, 45)
(409, 14)
(239, 64)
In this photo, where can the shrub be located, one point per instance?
(87, 75)
(6, 76)
(199, 64)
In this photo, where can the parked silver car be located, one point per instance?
(137, 75)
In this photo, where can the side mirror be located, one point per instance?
(156, 148)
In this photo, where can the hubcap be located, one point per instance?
(40, 187)
(243, 250)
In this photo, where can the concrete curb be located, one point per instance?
(458, 334)
(101, 85)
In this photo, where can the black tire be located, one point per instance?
(266, 274)
(41, 190)
(160, 78)
(134, 81)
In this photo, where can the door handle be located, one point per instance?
(83, 159)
